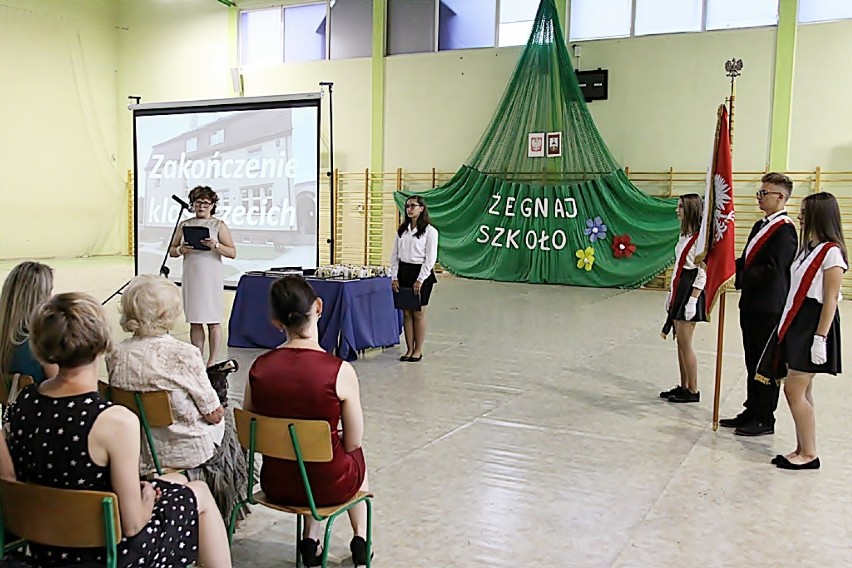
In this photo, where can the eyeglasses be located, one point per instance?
(763, 193)
(412, 205)
(198, 202)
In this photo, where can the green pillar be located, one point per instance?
(562, 10)
(782, 91)
(377, 124)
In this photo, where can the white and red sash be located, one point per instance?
(763, 235)
(803, 277)
(681, 261)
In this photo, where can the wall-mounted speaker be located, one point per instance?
(594, 84)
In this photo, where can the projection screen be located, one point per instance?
(260, 155)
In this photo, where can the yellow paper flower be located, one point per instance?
(587, 258)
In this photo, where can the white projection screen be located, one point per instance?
(260, 155)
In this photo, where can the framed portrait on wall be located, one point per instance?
(554, 144)
(536, 145)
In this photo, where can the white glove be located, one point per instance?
(690, 308)
(818, 354)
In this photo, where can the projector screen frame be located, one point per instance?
(301, 100)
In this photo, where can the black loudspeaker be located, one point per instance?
(594, 84)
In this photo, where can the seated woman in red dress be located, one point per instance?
(300, 380)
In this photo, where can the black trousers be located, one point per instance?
(761, 398)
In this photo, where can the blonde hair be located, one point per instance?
(28, 285)
(150, 305)
(70, 330)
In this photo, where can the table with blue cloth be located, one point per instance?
(356, 315)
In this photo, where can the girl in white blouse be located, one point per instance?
(685, 303)
(811, 340)
(415, 251)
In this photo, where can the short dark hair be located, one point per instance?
(70, 330)
(204, 192)
(291, 299)
(780, 180)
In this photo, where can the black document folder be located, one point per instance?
(194, 235)
(406, 299)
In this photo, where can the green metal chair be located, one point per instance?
(60, 517)
(302, 441)
(153, 408)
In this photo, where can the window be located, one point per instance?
(351, 29)
(191, 144)
(261, 39)
(411, 26)
(667, 16)
(595, 19)
(217, 137)
(824, 10)
(304, 32)
(465, 24)
(516, 20)
(259, 196)
(728, 14)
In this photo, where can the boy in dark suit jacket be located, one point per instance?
(763, 276)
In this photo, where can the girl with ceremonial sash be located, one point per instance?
(685, 303)
(808, 337)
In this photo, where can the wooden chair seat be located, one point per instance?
(260, 497)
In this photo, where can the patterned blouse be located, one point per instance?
(165, 363)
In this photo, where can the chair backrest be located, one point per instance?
(6, 385)
(157, 405)
(59, 517)
(272, 437)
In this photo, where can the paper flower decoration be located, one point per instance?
(586, 258)
(595, 229)
(622, 247)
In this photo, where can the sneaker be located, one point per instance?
(755, 428)
(740, 419)
(677, 390)
(685, 396)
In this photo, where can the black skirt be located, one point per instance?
(407, 276)
(800, 336)
(677, 306)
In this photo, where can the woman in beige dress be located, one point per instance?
(202, 280)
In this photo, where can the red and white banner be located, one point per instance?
(716, 237)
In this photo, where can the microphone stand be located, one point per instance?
(164, 270)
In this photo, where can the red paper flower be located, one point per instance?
(622, 247)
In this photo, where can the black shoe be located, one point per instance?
(358, 547)
(686, 396)
(405, 358)
(755, 428)
(778, 459)
(741, 419)
(675, 391)
(415, 359)
(308, 548)
(813, 464)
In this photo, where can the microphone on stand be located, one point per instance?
(182, 203)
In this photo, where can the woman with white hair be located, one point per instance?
(202, 439)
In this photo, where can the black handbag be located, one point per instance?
(218, 375)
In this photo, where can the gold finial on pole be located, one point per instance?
(733, 69)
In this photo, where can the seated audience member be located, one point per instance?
(300, 380)
(28, 285)
(202, 440)
(63, 434)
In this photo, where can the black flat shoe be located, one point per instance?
(415, 359)
(358, 547)
(755, 429)
(740, 419)
(778, 459)
(686, 396)
(813, 464)
(405, 358)
(309, 549)
(675, 391)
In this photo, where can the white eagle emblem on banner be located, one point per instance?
(721, 219)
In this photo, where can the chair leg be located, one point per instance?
(327, 540)
(232, 525)
(369, 503)
(298, 539)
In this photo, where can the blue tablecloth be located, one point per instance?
(356, 315)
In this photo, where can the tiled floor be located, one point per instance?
(531, 434)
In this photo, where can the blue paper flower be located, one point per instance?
(595, 229)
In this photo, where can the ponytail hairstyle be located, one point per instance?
(291, 299)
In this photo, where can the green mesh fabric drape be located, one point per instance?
(568, 219)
